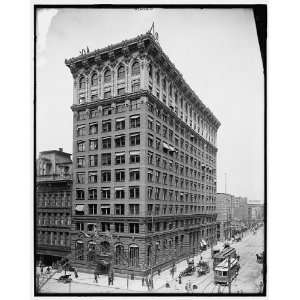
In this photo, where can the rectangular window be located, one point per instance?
(150, 123)
(106, 159)
(119, 175)
(80, 162)
(80, 177)
(119, 227)
(92, 209)
(134, 192)
(134, 139)
(150, 140)
(79, 226)
(79, 194)
(120, 124)
(119, 193)
(93, 177)
(92, 194)
(106, 126)
(93, 128)
(106, 143)
(120, 141)
(149, 209)
(105, 193)
(120, 158)
(134, 174)
(135, 121)
(93, 144)
(81, 146)
(93, 160)
(150, 175)
(105, 176)
(158, 127)
(119, 209)
(134, 209)
(133, 228)
(80, 130)
(81, 115)
(105, 209)
(157, 143)
(105, 226)
(94, 112)
(135, 87)
(134, 157)
(157, 159)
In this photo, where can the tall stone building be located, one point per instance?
(224, 218)
(53, 205)
(144, 150)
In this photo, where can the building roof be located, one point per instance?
(56, 152)
(142, 41)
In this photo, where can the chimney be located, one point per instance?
(60, 149)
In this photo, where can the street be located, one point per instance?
(249, 275)
(247, 280)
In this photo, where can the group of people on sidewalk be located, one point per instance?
(110, 277)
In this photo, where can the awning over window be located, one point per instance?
(204, 243)
(105, 206)
(119, 188)
(79, 207)
(171, 148)
(105, 189)
(120, 119)
(134, 152)
(134, 117)
(120, 153)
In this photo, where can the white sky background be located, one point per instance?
(217, 52)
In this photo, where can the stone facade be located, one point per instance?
(53, 205)
(144, 161)
(224, 211)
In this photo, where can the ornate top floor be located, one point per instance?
(147, 46)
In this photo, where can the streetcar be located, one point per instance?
(221, 273)
(226, 252)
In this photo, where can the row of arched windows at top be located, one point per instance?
(135, 70)
(157, 75)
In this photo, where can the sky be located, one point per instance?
(216, 51)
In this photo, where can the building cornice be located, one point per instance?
(145, 44)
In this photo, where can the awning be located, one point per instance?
(79, 242)
(204, 243)
(134, 117)
(105, 189)
(120, 153)
(105, 206)
(131, 170)
(79, 207)
(120, 119)
(134, 152)
(171, 148)
(166, 146)
(119, 188)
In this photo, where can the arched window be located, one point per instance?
(164, 84)
(150, 71)
(94, 79)
(82, 82)
(121, 72)
(133, 256)
(120, 257)
(135, 69)
(79, 252)
(107, 76)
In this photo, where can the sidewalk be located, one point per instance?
(135, 285)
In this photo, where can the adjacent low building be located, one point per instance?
(53, 205)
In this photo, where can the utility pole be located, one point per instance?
(228, 274)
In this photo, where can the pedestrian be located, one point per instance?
(158, 272)
(189, 286)
(42, 269)
(179, 279)
(112, 278)
(96, 277)
(143, 281)
(108, 277)
(75, 273)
